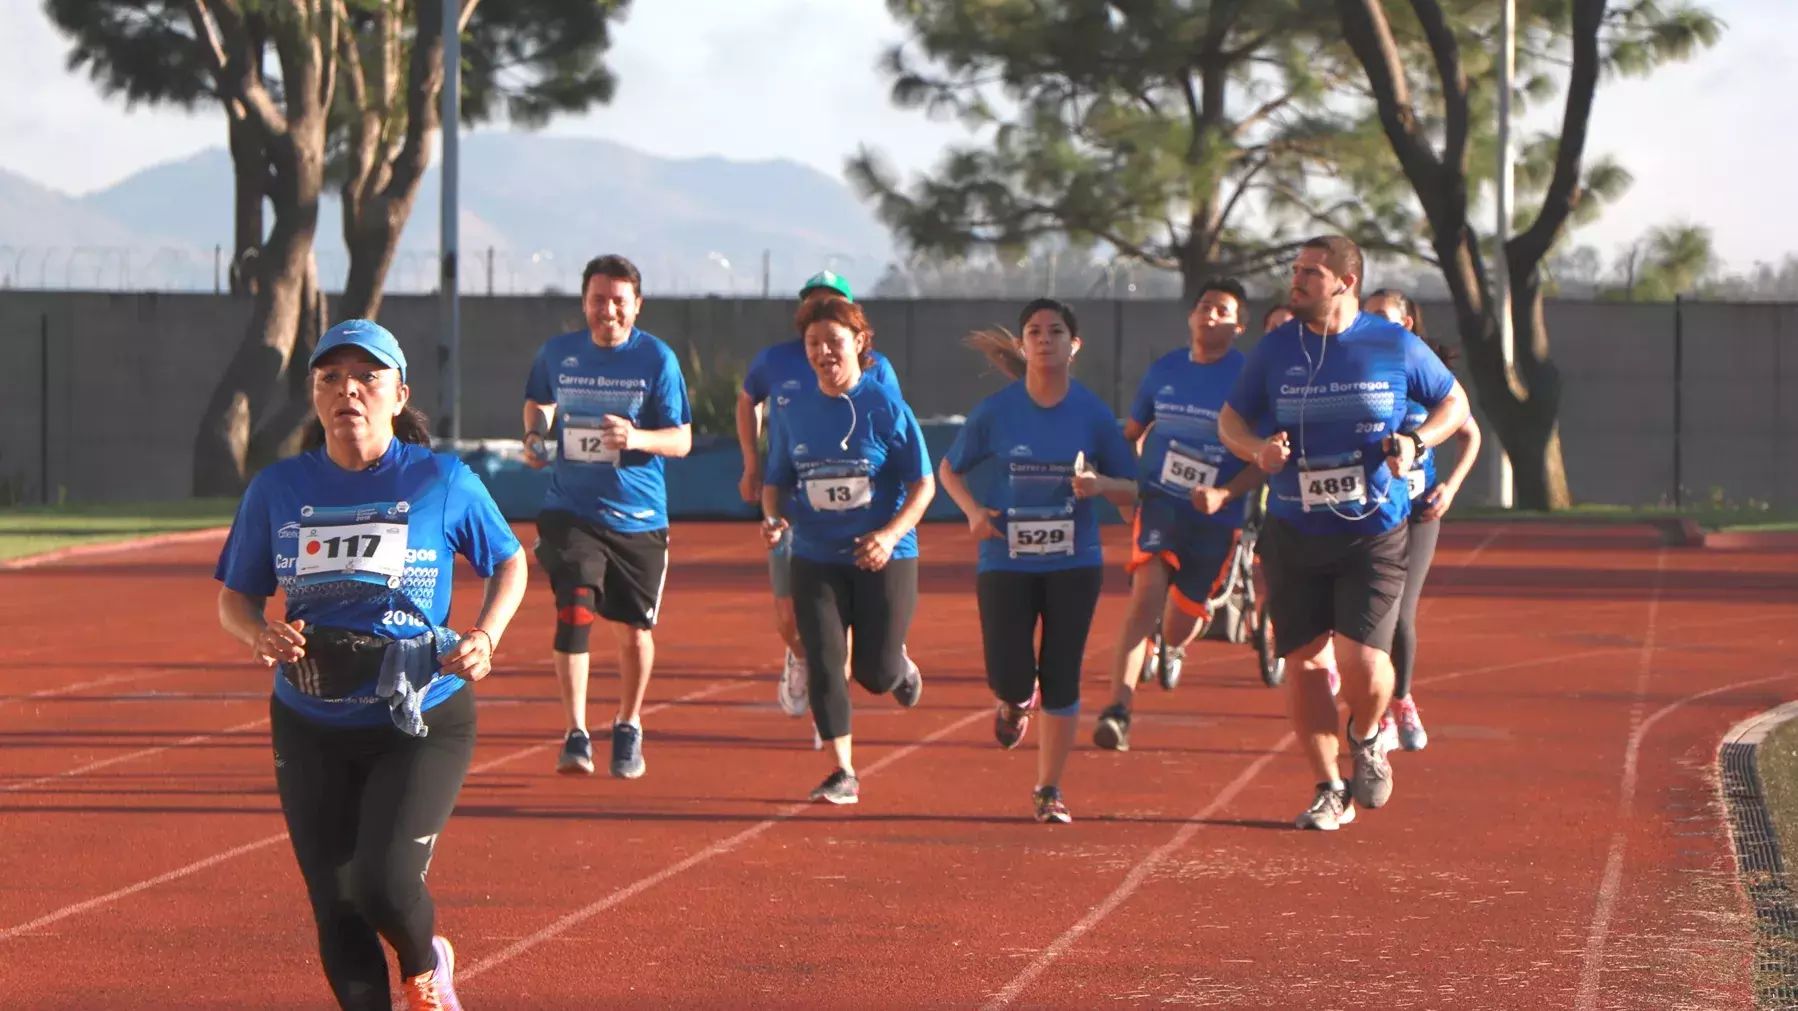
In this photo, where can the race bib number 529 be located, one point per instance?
(1040, 537)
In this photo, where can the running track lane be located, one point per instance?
(1480, 886)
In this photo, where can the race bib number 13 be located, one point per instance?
(837, 494)
(1340, 486)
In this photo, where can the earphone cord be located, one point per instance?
(1305, 395)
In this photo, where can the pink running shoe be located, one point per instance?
(1411, 735)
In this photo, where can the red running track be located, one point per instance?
(1560, 843)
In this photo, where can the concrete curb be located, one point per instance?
(111, 547)
(1760, 867)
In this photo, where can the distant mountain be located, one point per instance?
(533, 206)
(50, 239)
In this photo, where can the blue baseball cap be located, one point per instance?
(366, 334)
(826, 279)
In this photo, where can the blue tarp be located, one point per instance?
(701, 485)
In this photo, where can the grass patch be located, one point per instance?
(30, 530)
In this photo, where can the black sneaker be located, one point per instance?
(627, 751)
(1049, 806)
(839, 788)
(1112, 732)
(576, 758)
(911, 686)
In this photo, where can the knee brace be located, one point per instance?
(574, 618)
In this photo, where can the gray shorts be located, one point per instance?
(780, 566)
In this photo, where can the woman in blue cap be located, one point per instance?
(1054, 445)
(849, 479)
(371, 727)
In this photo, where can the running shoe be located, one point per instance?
(576, 758)
(1388, 735)
(1151, 661)
(1049, 806)
(1112, 732)
(627, 751)
(1330, 810)
(793, 692)
(838, 788)
(1010, 722)
(911, 686)
(1371, 784)
(1411, 735)
(435, 990)
(1172, 659)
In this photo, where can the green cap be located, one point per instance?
(826, 279)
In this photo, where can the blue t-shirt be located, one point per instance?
(1033, 449)
(1422, 479)
(370, 551)
(640, 380)
(1179, 400)
(1337, 400)
(846, 462)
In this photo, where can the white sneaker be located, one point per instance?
(793, 692)
(1389, 741)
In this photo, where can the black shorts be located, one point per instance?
(1349, 584)
(626, 571)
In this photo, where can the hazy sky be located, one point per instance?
(799, 79)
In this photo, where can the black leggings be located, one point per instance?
(364, 806)
(1011, 604)
(831, 599)
(1421, 552)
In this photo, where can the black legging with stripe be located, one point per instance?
(1419, 553)
(364, 806)
(1012, 604)
(829, 600)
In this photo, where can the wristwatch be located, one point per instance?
(1417, 440)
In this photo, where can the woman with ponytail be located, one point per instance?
(371, 723)
(1055, 445)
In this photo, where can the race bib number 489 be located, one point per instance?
(1040, 537)
(1339, 486)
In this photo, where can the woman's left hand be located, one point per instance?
(873, 551)
(1437, 502)
(472, 659)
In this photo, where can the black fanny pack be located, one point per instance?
(337, 662)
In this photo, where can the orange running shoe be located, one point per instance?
(435, 990)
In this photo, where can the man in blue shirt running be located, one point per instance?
(619, 402)
(778, 373)
(1319, 407)
(1189, 502)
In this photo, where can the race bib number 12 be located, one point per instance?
(581, 443)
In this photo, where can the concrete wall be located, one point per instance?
(126, 377)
